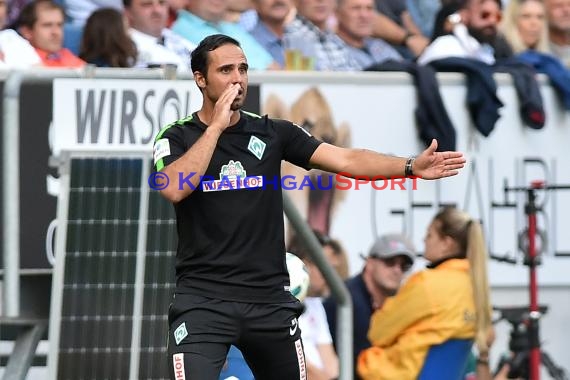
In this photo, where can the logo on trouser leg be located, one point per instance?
(293, 328)
(178, 364)
(180, 333)
(301, 360)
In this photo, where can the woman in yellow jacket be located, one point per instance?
(449, 300)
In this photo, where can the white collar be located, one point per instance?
(141, 37)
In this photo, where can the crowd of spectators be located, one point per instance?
(419, 37)
(345, 35)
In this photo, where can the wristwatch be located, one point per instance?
(408, 172)
(406, 38)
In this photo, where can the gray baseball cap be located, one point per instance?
(392, 245)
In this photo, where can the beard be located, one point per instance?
(237, 104)
(485, 35)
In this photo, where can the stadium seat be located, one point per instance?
(446, 361)
(72, 37)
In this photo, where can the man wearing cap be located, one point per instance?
(389, 258)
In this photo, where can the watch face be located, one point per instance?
(454, 18)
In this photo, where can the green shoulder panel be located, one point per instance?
(168, 126)
(160, 163)
(252, 114)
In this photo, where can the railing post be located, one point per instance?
(11, 194)
(339, 291)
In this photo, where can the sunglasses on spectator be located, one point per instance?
(486, 15)
(391, 262)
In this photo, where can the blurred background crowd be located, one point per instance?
(324, 35)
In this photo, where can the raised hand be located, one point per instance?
(223, 108)
(433, 165)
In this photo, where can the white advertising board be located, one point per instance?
(379, 116)
(375, 114)
(110, 114)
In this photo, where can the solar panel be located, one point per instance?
(117, 274)
(159, 285)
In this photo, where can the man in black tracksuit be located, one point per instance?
(223, 167)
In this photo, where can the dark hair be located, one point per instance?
(448, 8)
(297, 247)
(465, 3)
(440, 18)
(127, 3)
(105, 41)
(200, 54)
(29, 14)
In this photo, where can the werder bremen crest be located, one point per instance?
(256, 146)
(233, 169)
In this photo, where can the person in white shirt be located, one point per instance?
(317, 340)
(474, 28)
(320, 355)
(156, 45)
(15, 51)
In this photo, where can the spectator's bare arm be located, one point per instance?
(388, 30)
